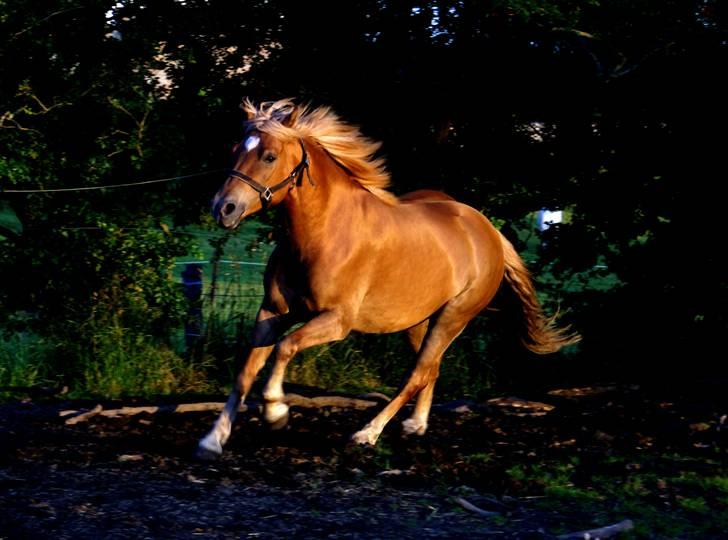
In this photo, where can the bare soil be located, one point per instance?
(134, 477)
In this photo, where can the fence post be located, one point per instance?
(192, 289)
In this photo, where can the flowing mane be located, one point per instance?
(344, 142)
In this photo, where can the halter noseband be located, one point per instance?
(266, 192)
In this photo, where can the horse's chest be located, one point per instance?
(331, 287)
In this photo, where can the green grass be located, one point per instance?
(124, 363)
(662, 498)
(23, 360)
(338, 367)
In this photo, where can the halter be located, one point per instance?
(266, 192)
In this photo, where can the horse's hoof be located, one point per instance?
(280, 423)
(276, 414)
(208, 451)
(365, 436)
(412, 426)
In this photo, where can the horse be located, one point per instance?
(358, 258)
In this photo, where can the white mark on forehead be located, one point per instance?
(251, 142)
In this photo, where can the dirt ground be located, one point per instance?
(542, 471)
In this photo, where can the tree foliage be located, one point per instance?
(613, 111)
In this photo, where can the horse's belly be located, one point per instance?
(394, 310)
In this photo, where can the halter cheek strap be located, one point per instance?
(266, 192)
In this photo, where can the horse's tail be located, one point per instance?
(540, 333)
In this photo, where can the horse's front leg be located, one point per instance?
(324, 328)
(268, 327)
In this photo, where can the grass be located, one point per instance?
(339, 367)
(661, 497)
(23, 360)
(124, 363)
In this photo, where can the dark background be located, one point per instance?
(612, 111)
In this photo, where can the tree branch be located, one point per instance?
(44, 19)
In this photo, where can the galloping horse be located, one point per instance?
(358, 258)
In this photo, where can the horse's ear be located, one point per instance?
(249, 109)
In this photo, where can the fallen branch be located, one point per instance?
(521, 407)
(85, 415)
(150, 409)
(328, 401)
(472, 508)
(291, 399)
(603, 532)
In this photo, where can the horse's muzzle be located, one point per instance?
(228, 212)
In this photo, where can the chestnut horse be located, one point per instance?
(358, 258)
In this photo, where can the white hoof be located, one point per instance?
(368, 435)
(413, 426)
(275, 411)
(209, 448)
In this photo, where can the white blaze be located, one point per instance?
(251, 142)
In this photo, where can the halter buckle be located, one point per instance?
(267, 195)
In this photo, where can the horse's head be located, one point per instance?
(265, 167)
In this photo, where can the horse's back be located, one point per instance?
(435, 249)
(425, 195)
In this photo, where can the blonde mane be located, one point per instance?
(345, 143)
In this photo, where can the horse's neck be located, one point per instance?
(322, 208)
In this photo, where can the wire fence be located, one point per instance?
(110, 186)
(217, 299)
(220, 301)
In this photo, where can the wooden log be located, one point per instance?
(84, 415)
(291, 399)
(80, 416)
(328, 401)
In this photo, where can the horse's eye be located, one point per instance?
(270, 158)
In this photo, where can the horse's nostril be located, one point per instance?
(228, 209)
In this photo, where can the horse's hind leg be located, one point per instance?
(268, 328)
(447, 327)
(417, 423)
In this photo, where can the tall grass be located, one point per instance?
(24, 360)
(116, 363)
(122, 362)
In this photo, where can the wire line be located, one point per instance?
(111, 186)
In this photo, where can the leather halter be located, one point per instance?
(266, 192)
